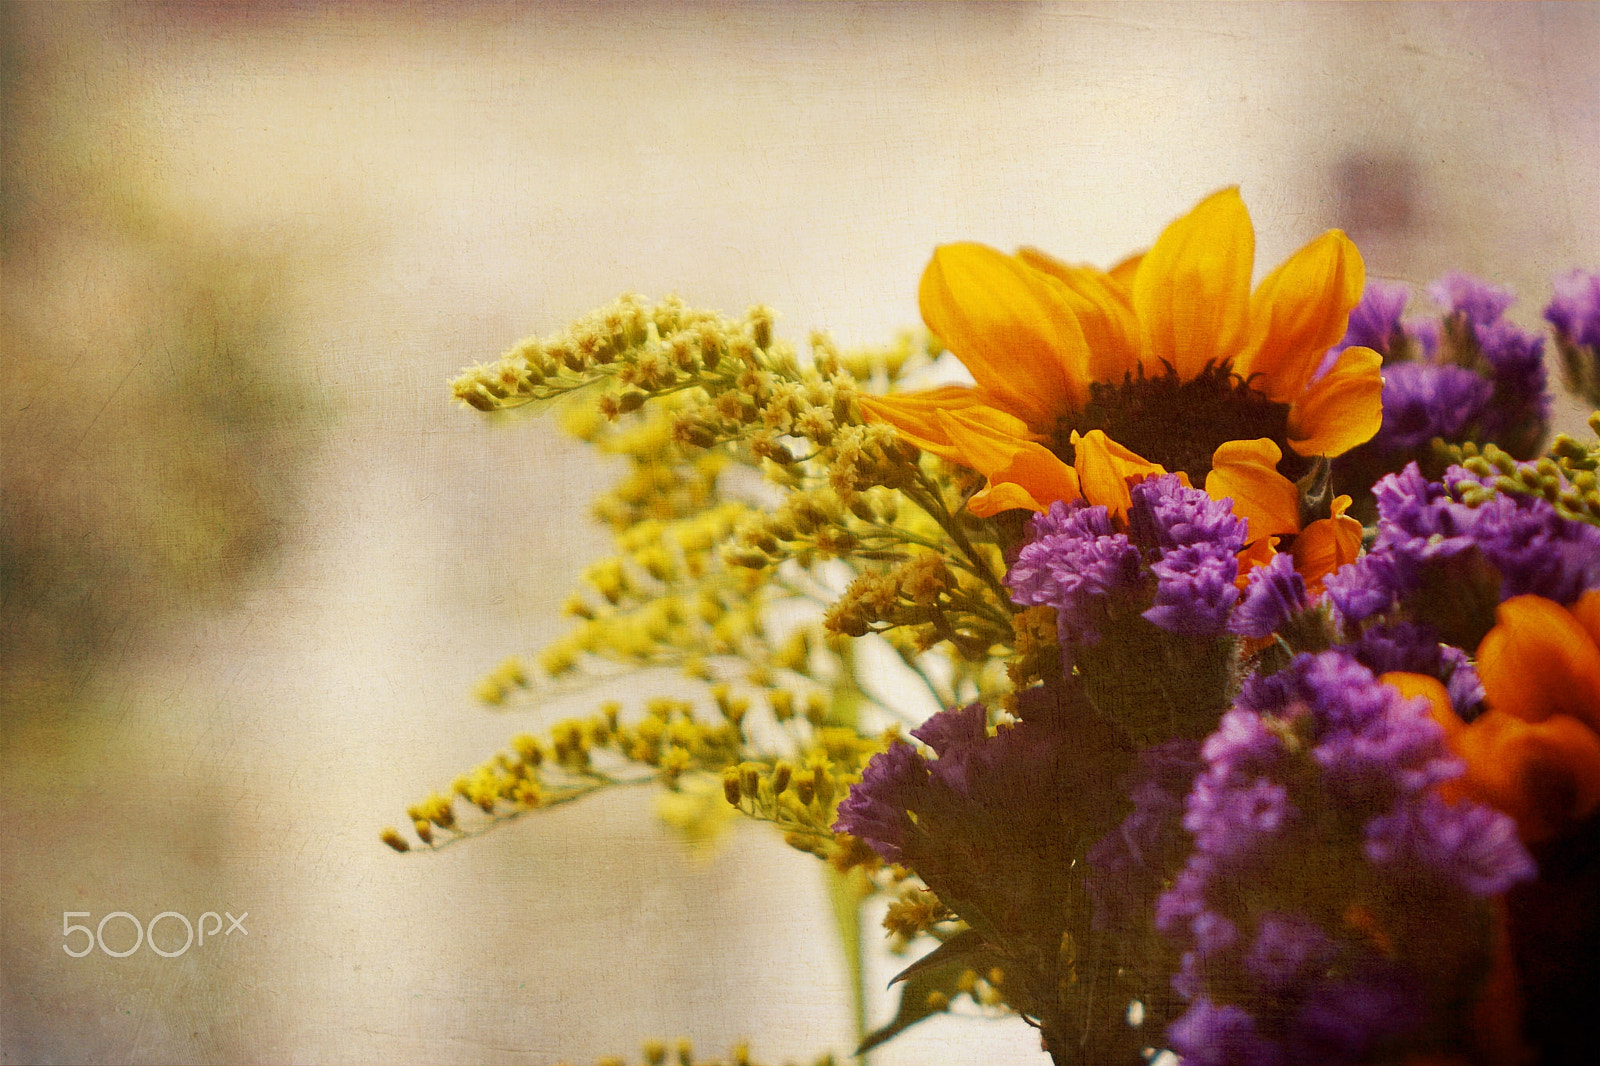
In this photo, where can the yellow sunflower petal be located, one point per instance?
(916, 416)
(1192, 290)
(1110, 329)
(1124, 271)
(1341, 409)
(1539, 660)
(1298, 313)
(1106, 470)
(1000, 496)
(1011, 325)
(1246, 471)
(1021, 473)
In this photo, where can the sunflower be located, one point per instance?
(1166, 363)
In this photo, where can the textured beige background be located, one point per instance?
(448, 180)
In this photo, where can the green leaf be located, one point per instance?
(965, 945)
(939, 971)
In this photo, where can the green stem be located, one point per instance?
(845, 893)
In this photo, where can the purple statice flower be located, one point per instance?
(1521, 399)
(1318, 798)
(1422, 401)
(989, 821)
(1274, 594)
(1419, 520)
(1369, 586)
(1195, 589)
(1575, 309)
(1168, 515)
(1178, 540)
(1480, 303)
(1075, 563)
(1428, 539)
(1375, 321)
(1211, 1035)
(1415, 648)
(1472, 845)
(1198, 540)
(1230, 819)
(876, 808)
(955, 731)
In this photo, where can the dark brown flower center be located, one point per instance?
(1179, 424)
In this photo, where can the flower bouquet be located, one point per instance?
(1267, 634)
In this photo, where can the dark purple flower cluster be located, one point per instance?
(1517, 542)
(991, 822)
(1128, 865)
(1078, 563)
(1325, 867)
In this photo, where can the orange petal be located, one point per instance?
(915, 416)
(1192, 290)
(1012, 326)
(1539, 660)
(1586, 611)
(1246, 471)
(1546, 775)
(1258, 552)
(1021, 473)
(1324, 546)
(1106, 470)
(1299, 312)
(1341, 409)
(1110, 329)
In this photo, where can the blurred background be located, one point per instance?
(254, 561)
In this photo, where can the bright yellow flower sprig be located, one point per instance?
(671, 745)
(754, 493)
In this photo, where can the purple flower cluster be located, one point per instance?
(1076, 562)
(1375, 321)
(1518, 542)
(990, 821)
(1273, 595)
(1198, 540)
(904, 802)
(1480, 377)
(1316, 806)
(1575, 314)
(1575, 310)
(1416, 649)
